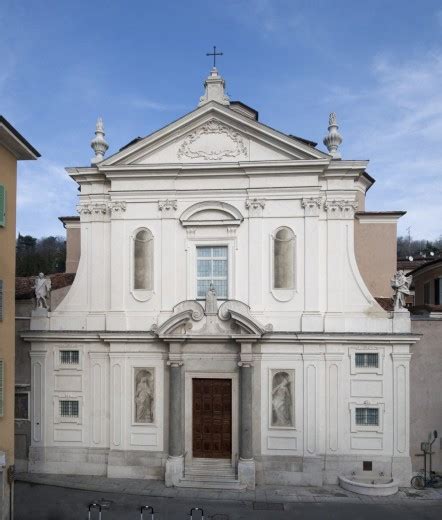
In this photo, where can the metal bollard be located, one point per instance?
(94, 505)
(196, 509)
(147, 508)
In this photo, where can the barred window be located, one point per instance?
(367, 416)
(69, 408)
(212, 269)
(22, 405)
(69, 357)
(365, 360)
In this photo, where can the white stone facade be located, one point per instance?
(218, 178)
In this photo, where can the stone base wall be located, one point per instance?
(284, 470)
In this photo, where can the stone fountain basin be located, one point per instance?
(373, 486)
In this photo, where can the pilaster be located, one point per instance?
(255, 208)
(312, 320)
(167, 209)
(401, 463)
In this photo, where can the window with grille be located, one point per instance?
(69, 357)
(364, 360)
(212, 269)
(367, 416)
(69, 408)
(22, 405)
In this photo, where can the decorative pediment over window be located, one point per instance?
(211, 213)
(213, 141)
(190, 319)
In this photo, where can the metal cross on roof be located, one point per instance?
(214, 54)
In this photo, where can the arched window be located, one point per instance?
(284, 259)
(143, 260)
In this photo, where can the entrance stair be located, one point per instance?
(210, 474)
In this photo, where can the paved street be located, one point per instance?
(44, 502)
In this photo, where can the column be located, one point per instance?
(175, 460)
(246, 463)
(312, 320)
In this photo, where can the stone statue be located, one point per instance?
(42, 287)
(332, 119)
(144, 396)
(401, 287)
(211, 301)
(281, 400)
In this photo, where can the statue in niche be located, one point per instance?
(401, 288)
(144, 395)
(211, 301)
(42, 288)
(281, 400)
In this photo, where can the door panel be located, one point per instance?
(212, 418)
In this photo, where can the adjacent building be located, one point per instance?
(13, 147)
(223, 327)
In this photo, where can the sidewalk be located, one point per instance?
(262, 494)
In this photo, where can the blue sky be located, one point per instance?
(141, 64)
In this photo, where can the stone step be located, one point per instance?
(209, 484)
(206, 476)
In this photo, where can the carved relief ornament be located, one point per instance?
(255, 206)
(311, 206)
(193, 148)
(340, 209)
(167, 205)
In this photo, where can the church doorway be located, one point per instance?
(212, 418)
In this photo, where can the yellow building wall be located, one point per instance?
(8, 178)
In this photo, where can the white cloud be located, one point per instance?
(397, 123)
(45, 192)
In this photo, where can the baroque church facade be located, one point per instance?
(218, 330)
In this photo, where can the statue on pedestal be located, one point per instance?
(211, 301)
(401, 287)
(42, 287)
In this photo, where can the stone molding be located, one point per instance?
(212, 127)
(340, 209)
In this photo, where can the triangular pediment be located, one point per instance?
(213, 134)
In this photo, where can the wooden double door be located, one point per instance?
(212, 418)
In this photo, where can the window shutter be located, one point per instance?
(2, 382)
(2, 206)
(1, 300)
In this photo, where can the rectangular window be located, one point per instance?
(367, 416)
(212, 269)
(69, 408)
(69, 357)
(2, 206)
(437, 291)
(427, 293)
(364, 360)
(21, 405)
